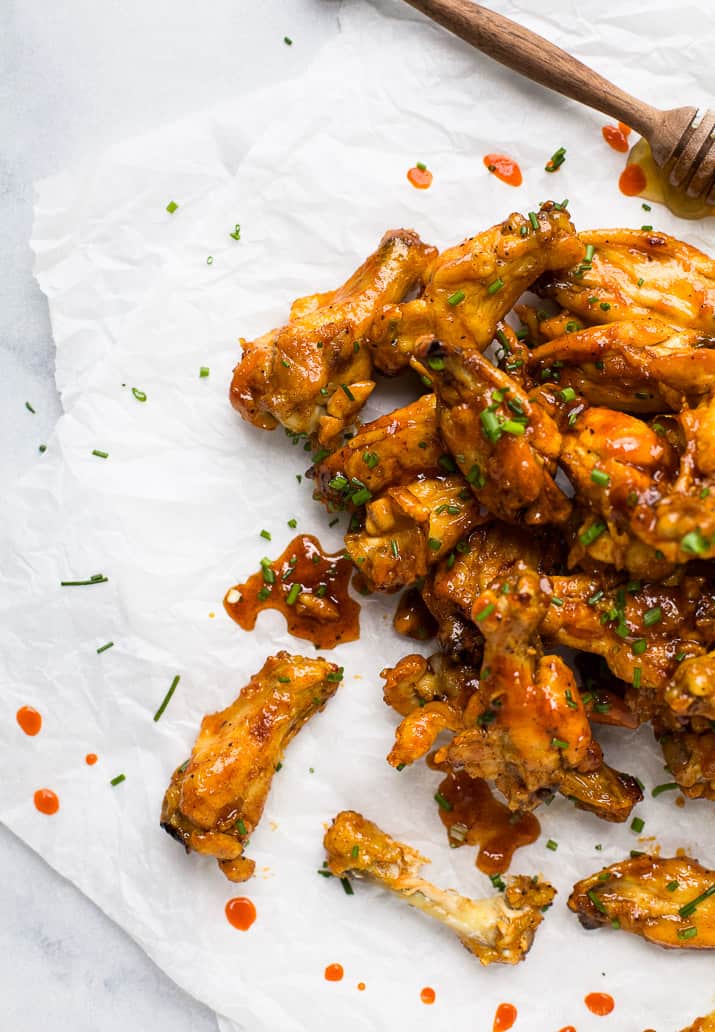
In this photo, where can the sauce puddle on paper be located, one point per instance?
(241, 913)
(476, 818)
(308, 586)
(334, 973)
(29, 720)
(46, 801)
(428, 995)
(600, 1003)
(504, 168)
(420, 177)
(90, 759)
(504, 1017)
(642, 178)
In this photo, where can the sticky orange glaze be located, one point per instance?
(504, 1017)
(632, 180)
(489, 823)
(421, 178)
(46, 801)
(413, 618)
(361, 986)
(504, 168)
(29, 720)
(428, 995)
(615, 137)
(90, 759)
(241, 913)
(322, 612)
(599, 1003)
(334, 972)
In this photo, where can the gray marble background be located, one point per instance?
(76, 76)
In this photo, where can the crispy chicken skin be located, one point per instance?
(410, 527)
(607, 793)
(637, 274)
(314, 374)
(706, 1024)
(528, 724)
(215, 800)
(469, 288)
(505, 446)
(638, 365)
(690, 757)
(388, 451)
(659, 899)
(499, 930)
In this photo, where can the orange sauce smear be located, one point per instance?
(421, 178)
(361, 987)
(568, 1028)
(412, 617)
(616, 136)
(46, 801)
(489, 824)
(504, 1017)
(334, 972)
(90, 759)
(29, 720)
(428, 995)
(504, 168)
(632, 180)
(600, 1003)
(241, 913)
(321, 610)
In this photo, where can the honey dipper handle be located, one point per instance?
(538, 59)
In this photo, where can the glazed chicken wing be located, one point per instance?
(669, 902)
(215, 800)
(607, 793)
(640, 365)
(470, 288)
(530, 724)
(498, 930)
(505, 446)
(630, 273)
(706, 1024)
(314, 374)
(690, 758)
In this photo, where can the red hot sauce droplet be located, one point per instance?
(428, 995)
(421, 178)
(504, 1017)
(632, 180)
(615, 137)
(46, 801)
(600, 1003)
(334, 972)
(29, 720)
(504, 168)
(241, 913)
(90, 759)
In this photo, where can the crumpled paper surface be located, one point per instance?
(314, 172)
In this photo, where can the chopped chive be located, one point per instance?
(283, 680)
(394, 549)
(42, 448)
(646, 229)
(103, 648)
(590, 251)
(498, 882)
(598, 476)
(558, 743)
(264, 593)
(639, 646)
(292, 595)
(323, 872)
(347, 887)
(361, 496)
(355, 852)
(236, 235)
(242, 830)
(456, 298)
(694, 543)
(672, 886)
(637, 678)
(637, 825)
(347, 392)
(293, 524)
(641, 281)
(567, 394)
(495, 287)
(475, 476)
(371, 459)
(553, 846)
(96, 578)
(434, 544)
(338, 482)
(487, 611)
(421, 166)
(556, 601)
(210, 260)
(598, 904)
(667, 786)
(524, 231)
(400, 766)
(652, 616)
(167, 698)
(118, 779)
(570, 701)
(615, 923)
(511, 426)
(436, 363)
(533, 220)
(203, 372)
(265, 534)
(139, 395)
(704, 492)
(100, 454)
(29, 408)
(444, 804)
(172, 207)
(490, 425)
(692, 906)
(687, 933)
(592, 533)
(556, 160)
(596, 597)
(288, 41)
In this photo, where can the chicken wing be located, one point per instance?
(690, 758)
(530, 724)
(410, 527)
(498, 930)
(315, 373)
(669, 902)
(607, 793)
(470, 288)
(706, 1024)
(390, 450)
(630, 273)
(639, 365)
(505, 446)
(215, 800)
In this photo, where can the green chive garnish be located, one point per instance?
(139, 395)
(598, 476)
(487, 611)
(347, 887)
(689, 908)
(456, 298)
(694, 543)
(592, 533)
(495, 287)
(100, 454)
(103, 648)
(118, 779)
(203, 372)
(637, 825)
(533, 220)
(687, 933)
(96, 578)
(598, 904)
(444, 804)
(266, 534)
(553, 846)
(171, 207)
(167, 698)
(293, 594)
(242, 830)
(558, 743)
(672, 886)
(652, 616)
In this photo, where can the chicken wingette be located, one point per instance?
(669, 902)
(315, 373)
(215, 799)
(469, 288)
(498, 930)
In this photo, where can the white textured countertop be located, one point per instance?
(75, 77)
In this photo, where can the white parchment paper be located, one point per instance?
(314, 172)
